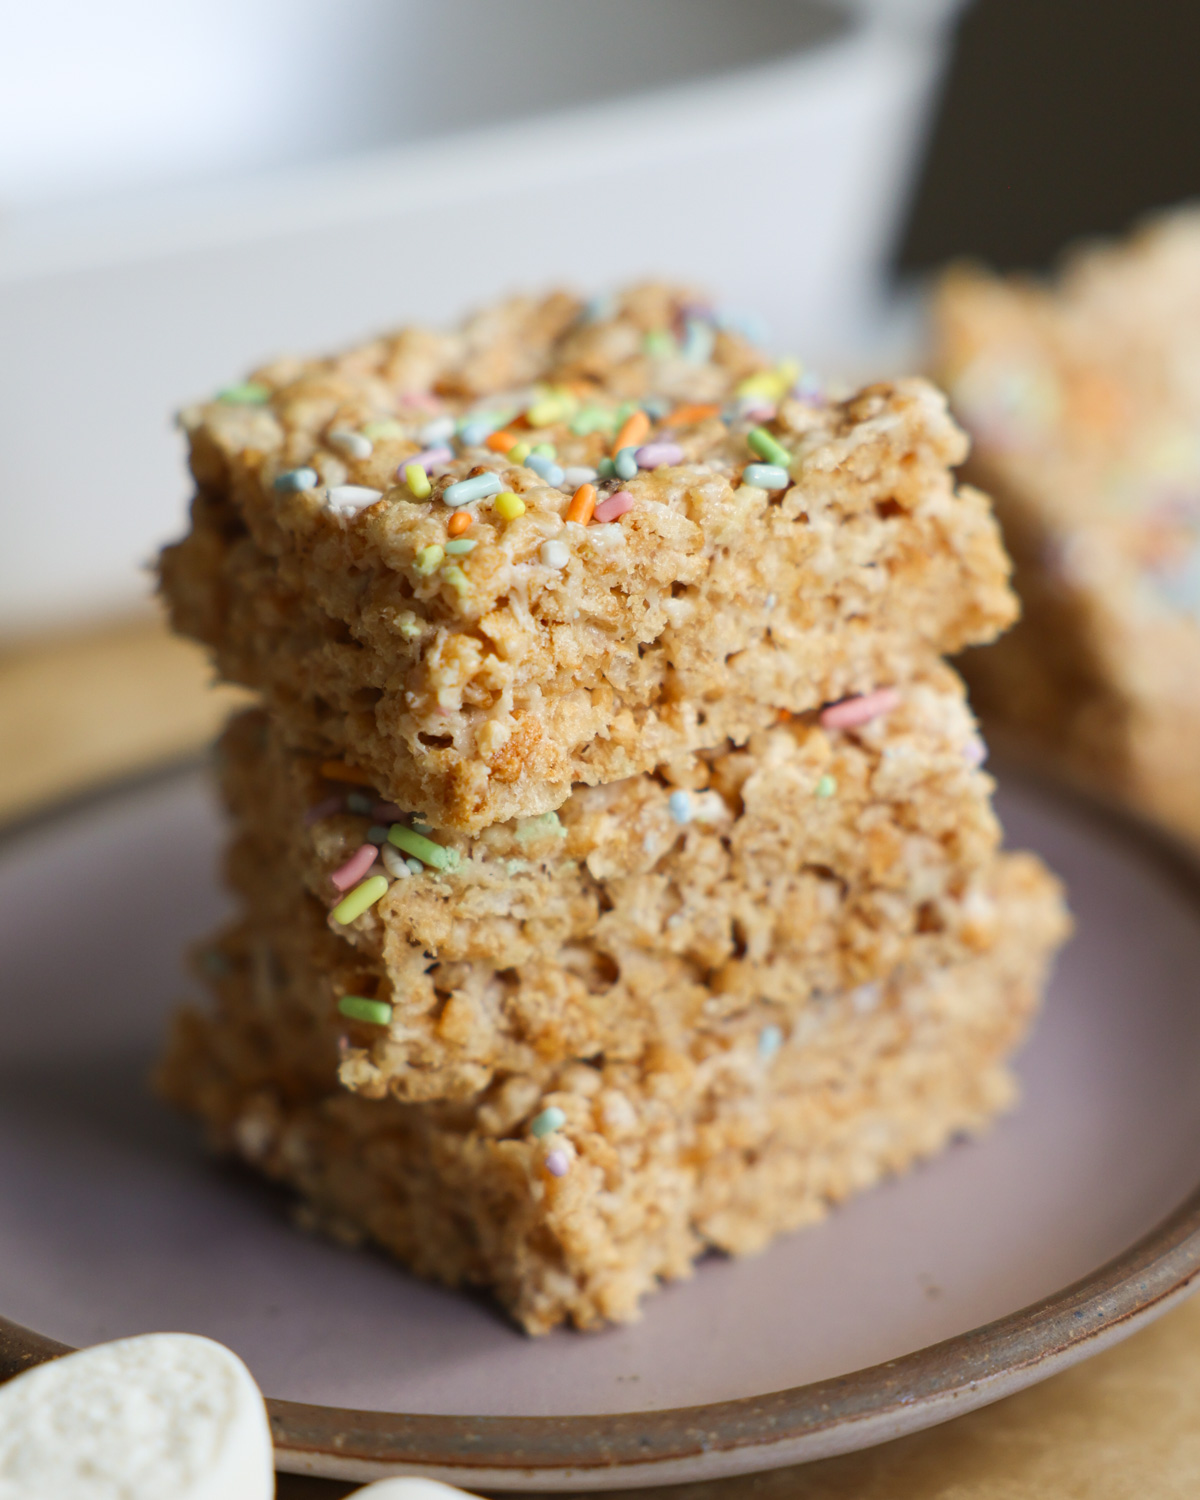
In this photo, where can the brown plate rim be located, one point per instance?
(816, 1420)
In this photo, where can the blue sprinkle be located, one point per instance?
(471, 434)
(377, 834)
(656, 407)
(478, 488)
(748, 324)
(766, 476)
(770, 1039)
(599, 308)
(297, 479)
(698, 341)
(606, 469)
(359, 802)
(547, 1122)
(546, 468)
(415, 867)
(626, 463)
(679, 805)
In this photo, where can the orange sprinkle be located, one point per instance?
(685, 416)
(583, 503)
(459, 522)
(501, 442)
(633, 431)
(338, 770)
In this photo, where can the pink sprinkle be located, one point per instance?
(558, 1163)
(387, 812)
(355, 867)
(650, 455)
(756, 411)
(324, 809)
(426, 458)
(851, 712)
(614, 507)
(420, 401)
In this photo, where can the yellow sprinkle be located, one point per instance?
(360, 898)
(457, 579)
(429, 559)
(508, 506)
(519, 453)
(417, 480)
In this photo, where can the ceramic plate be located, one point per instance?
(1074, 1221)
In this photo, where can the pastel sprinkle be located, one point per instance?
(544, 450)
(460, 546)
(558, 1163)
(459, 522)
(456, 578)
(770, 1039)
(659, 344)
(472, 434)
(422, 848)
(395, 863)
(509, 505)
(634, 430)
(625, 464)
(602, 305)
(356, 1008)
(679, 805)
(439, 431)
(826, 786)
(547, 411)
(415, 867)
(554, 554)
(974, 752)
(583, 504)
(360, 899)
(501, 442)
(352, 444)
(355, 867)
(576, 474)
(691, 413)
(325, 809)
(418, 481)
(852, 712)
(550, 1120)
(429, 458)
(519, 452)
(698, 341)
(767, 447)
(614, 507)
(249, 393)
(429, 559)
(545, 468)
(377, 833)
(606, 469)
(340, 770)
(478, 487)
(766, 476)
(293, 480)
(650, 455)
(656, 407)
(384, 427)
(592, 419)
(350, 499)
(360, 803)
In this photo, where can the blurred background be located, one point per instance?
(186, 189)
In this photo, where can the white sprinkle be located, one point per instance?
(770, 1039)
(679, 804)
(352, 444)
(394, 862)
(436, 432)
(554, 554)
(580, 474)
(415, 867)
(772, 601)
(347, 500)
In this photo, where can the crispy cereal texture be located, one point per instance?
(747, 1128)
(808, 862)
(1083, 400)
(480, 685)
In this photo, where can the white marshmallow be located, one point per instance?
(411, 1488)
(165, 1414)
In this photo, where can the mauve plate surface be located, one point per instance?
(113, 1221)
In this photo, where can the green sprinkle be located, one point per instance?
(766, 476)
(550, 1120)
(460, 545)
(826, 786)
(606, 469)
(377, 1012)
(456, 578)
(429, 559)
(249, 393)
(360, 898)
(544, 450)
(762, 443)
(624, 412)
(417, 480)
(545, 825)
(593, 419)
(659, 344)
(422, 848)
(385, 427)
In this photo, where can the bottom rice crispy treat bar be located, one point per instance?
(816, 858)
(1083, 400)
(569, 1195)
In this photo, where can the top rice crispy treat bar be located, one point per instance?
(1083, 400)
(476, 657)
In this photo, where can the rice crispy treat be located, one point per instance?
(1083, 399)
(571, 1194)
(812, 860)
(662, 540)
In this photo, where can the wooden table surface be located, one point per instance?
(81, 708)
